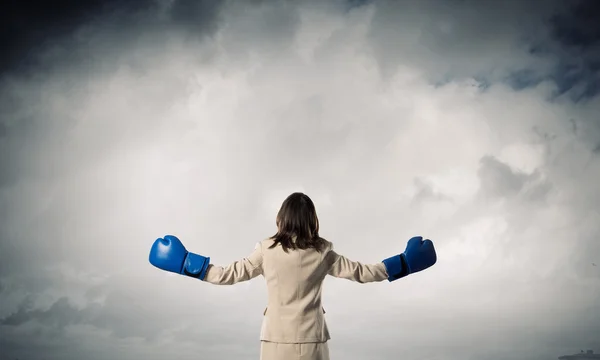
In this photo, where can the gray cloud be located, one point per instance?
(488, 39)
(500, 180)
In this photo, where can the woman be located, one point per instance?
(294, 263)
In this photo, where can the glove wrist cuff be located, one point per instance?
(195, 265)
(396, 267)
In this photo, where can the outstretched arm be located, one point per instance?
(241, 270)
(342, 267)
(419, 255)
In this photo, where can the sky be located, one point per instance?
(472, 123)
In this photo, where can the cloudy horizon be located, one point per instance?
(472, 123)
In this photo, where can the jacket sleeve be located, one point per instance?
(341, 267)
(241, 270)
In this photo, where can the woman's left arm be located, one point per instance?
(242, 270)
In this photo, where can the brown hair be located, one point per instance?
(298, 217)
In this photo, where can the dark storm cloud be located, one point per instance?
(577, 32)
(195, 16)
(32, 28)
(493, 27)
(560, 38)
(28, 27)
(578, 26)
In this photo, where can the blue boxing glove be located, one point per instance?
(418, 256)
(169, 254)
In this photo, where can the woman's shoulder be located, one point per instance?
(327, 245)
(267, 241)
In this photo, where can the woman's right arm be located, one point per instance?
(419, 255)
(341, 267)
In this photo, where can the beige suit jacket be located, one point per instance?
(294, 312)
